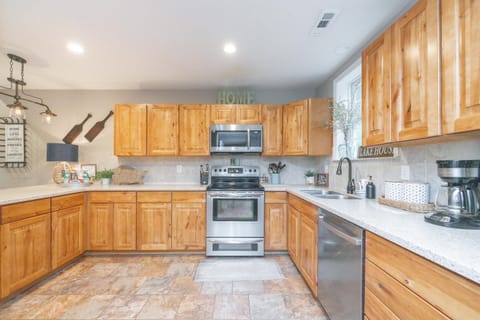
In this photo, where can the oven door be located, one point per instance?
(235, 214)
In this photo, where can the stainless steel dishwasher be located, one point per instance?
(340, 267)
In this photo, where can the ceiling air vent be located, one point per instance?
(325, 19)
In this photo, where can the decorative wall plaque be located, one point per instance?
(376, 152)
(236, 97)
(12, 143)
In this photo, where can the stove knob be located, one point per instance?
(224, 170)
(250, 170)
(215, 170)
(254, 170)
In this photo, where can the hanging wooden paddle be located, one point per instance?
(97, 128)
(76, 130)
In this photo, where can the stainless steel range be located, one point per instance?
(235, 212)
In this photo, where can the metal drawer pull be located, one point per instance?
(234, 242)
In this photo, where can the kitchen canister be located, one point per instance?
(417, 192)
(394, 190)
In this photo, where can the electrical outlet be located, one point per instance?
(404, 172)
(179, 168)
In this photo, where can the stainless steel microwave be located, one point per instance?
(236, 138)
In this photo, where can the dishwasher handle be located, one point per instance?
(353, 240)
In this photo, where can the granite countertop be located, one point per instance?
(454, 249)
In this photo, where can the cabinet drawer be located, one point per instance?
(153, 196)
(454, 295)
(22, 210)
(188, 196)
(68, 201)
(117, 196)
(375, 309)
(402, 302)
(303, 206)
(276, 197)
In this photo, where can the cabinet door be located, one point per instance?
(67, 235)
(194, 130)
(222, 114)
(415, 73)
(248, 114)
(460, 65)
(124, 226)
(295, 128)
(293, 234)
(309, 251)
(130, 132)
(162, 138)
(100, 226)
(154, 221)
(275, 226)
(376, 102)
(188, 226)
(25, 252)
(272, 130)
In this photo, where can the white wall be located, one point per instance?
(73, 105)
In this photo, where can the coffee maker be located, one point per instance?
(457, 204)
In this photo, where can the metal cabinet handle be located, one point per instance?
(234, 242)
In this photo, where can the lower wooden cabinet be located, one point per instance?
(25, 252)
(303, 239)
(68, 230)
(275, 221)
(154, 221)
(188, 220)
(112, 221)
(293, 234)
(402, 285)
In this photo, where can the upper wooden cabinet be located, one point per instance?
(272, 130)
(460, 65)
(415, 72)
(194, 123)
(130, 130)
(306, 128)
(162, 134)
(235, 114)
(376, 110)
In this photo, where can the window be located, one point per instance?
(347, 112)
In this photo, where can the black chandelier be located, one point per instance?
(17, 109)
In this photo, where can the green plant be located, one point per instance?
(309, 173)
(104, 174)
(346, 115)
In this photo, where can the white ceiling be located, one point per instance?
(177, 44)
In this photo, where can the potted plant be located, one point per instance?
(105, 175)
(309, 177)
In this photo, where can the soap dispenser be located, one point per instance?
(370, 189)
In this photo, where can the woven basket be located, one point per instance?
(415, 207)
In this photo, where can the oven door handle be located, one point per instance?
(234, 241)
(251, 195)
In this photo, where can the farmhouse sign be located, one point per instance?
(376, 152)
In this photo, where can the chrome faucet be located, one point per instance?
(351, 184)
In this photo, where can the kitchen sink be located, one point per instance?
(328, 194)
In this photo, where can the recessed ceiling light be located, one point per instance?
(229, 48)
(75, 47)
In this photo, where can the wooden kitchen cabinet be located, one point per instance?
(154, 221)
(415, 73)
(306, 129)
(188, 221)
(304, 227)
(293, 229)
(272, 130)
(460, 36)
(68, 215)
(402, 285)
(25, 252)
(162, 133)
(194, 124)
(112, 221)
(276, 221)
(376, 85)
(130, 130)
(235, 114)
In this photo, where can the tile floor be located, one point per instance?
(160, 287)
